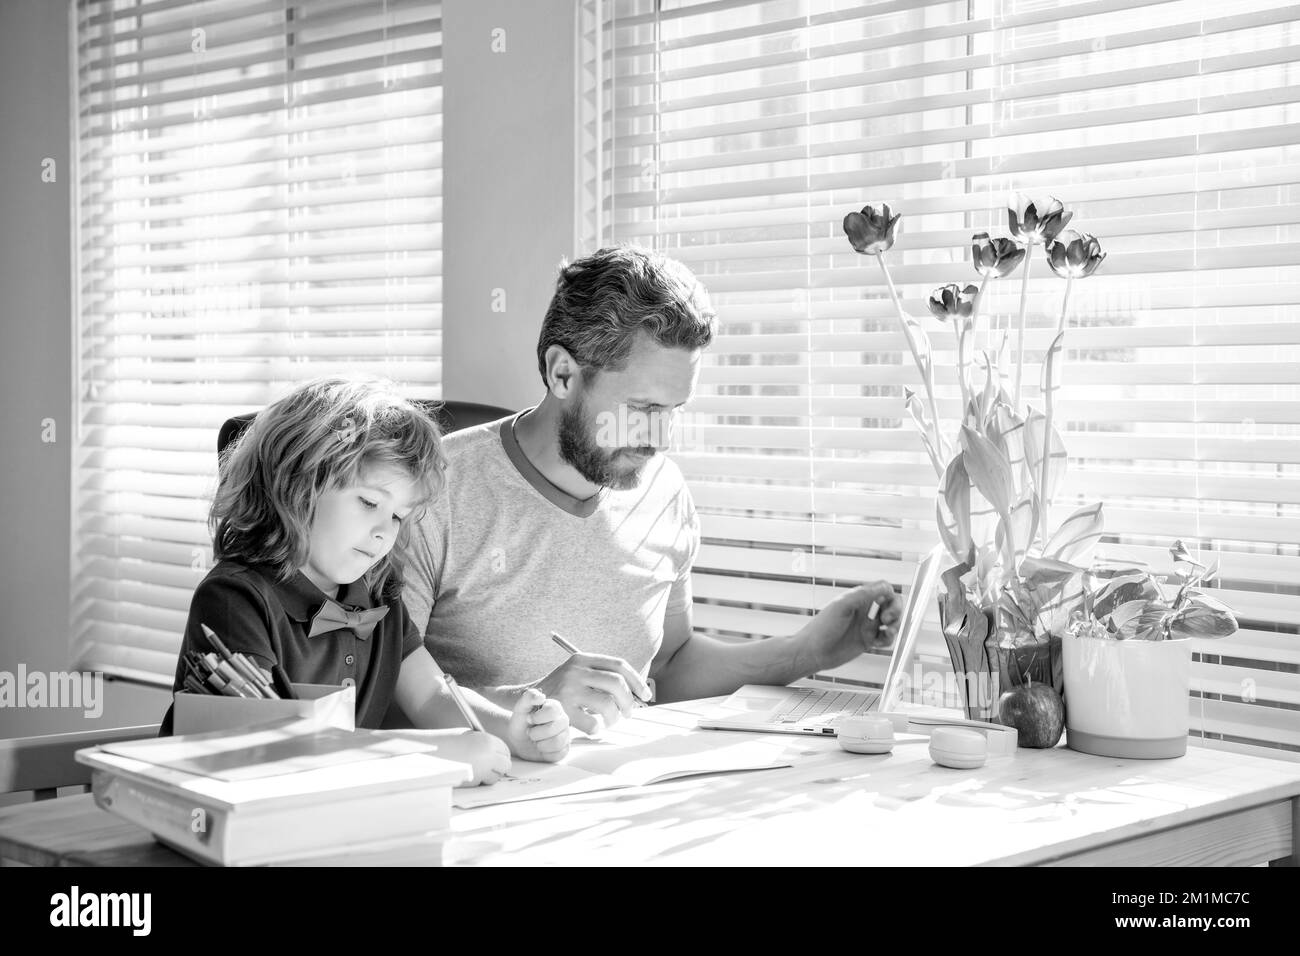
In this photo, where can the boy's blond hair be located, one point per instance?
(320, 436)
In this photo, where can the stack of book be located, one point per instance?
(282, 792)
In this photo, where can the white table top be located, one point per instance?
(836, 808)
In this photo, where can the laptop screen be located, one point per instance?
(915, 603)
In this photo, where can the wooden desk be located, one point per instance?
(1054, 807)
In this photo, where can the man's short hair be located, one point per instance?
(604, 300)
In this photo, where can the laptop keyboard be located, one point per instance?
(810, 704)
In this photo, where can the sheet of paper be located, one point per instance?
(533, 781)
(646, 748)
(649, 761)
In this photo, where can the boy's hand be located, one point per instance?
(486, 755)
(539, 728)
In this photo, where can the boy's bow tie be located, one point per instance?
(332, 616)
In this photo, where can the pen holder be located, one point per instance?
(328, 705)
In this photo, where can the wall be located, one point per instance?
(508, 189)
(36, 370)
(508, 194)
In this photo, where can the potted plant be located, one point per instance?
(1128, 659)
(1017, 573)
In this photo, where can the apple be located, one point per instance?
(1036, 711)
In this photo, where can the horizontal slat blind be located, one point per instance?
(259, 202)
(735, 136)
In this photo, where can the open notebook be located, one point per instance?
(648, 747)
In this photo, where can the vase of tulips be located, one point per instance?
(1017, 572)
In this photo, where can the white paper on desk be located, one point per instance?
(626, 759)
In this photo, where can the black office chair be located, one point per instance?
(450, 416)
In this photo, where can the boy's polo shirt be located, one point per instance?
(270, 620)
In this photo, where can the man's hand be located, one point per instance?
(595, 690)
(844, 629)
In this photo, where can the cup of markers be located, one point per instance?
(227, 673)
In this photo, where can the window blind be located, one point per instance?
(258, 202)
(735, 136)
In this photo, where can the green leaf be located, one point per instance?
(921, 341)
(1002, 355)
(1008, 434)
(953, 606)
(1055, 614)
(1186, 568)
(988, 470)
(1203, 616)
(953, 506)
(912, 402)
(1024, 522)
(1055, 601)
(1053, 590)
(991, 475)
(1127, 616)
(1050, 380)
(1036, 430)
(986, 573)
(1077, 535)
(1179, 552)
(1151, 624)
(989, 395)
(1124, 587)
(1042, 572)
(947, 529)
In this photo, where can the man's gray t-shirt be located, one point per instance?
(502, 558)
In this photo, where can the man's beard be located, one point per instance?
(612, 468)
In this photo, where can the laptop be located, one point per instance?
(814, 710)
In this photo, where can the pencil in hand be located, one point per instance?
(569, 648)
(466, 713)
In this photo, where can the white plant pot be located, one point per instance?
(1127, 698)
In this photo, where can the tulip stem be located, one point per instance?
(962, 331)
(975, 314)
(975, 337)
(939, 444)
(1020, 330)
(1049, 404)
(1060, 324)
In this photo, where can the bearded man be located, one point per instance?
(569, 518)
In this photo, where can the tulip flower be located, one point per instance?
(1077, 257)
(991, 258)
(953, 302)
(995, 257)
(1035, 222)
(871, 232)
